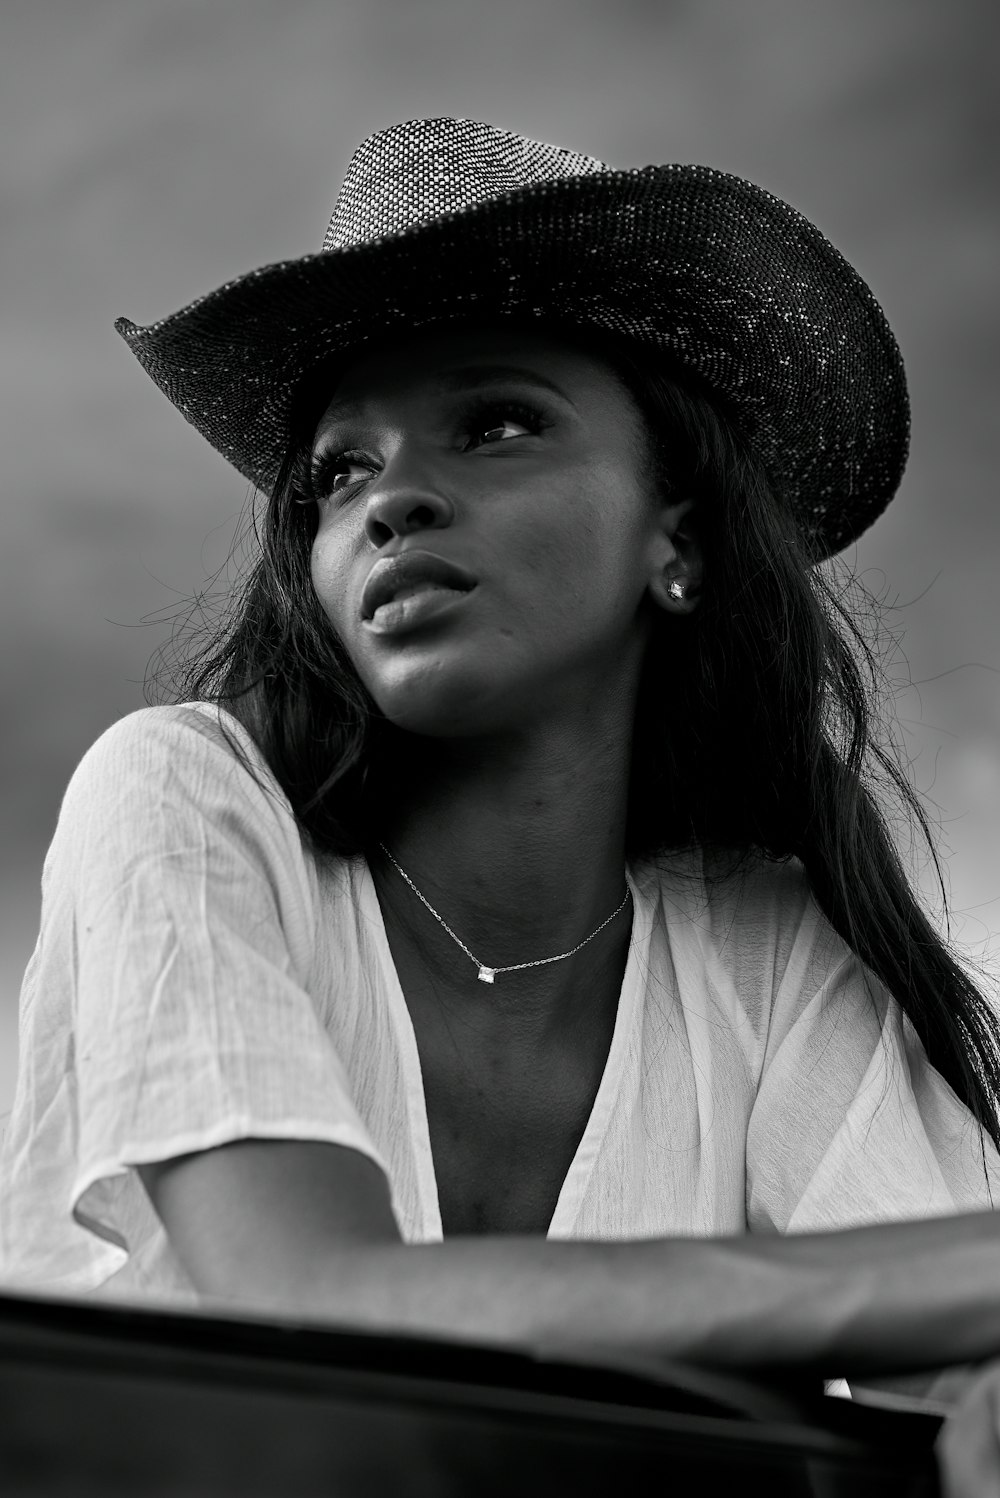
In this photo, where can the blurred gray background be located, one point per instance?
(151, 149)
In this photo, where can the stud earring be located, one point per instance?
(676, 591)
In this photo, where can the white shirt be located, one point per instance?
(200, 976)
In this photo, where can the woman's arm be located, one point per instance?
(306, 1229)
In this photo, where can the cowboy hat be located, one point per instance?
(449, 220)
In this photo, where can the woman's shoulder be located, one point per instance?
(747, 922)
(180, 775)
(717, 886)
(183, 743)
(175, 803)
(193, 727)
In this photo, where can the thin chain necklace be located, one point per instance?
(487, 974)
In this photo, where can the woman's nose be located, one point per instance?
(404, 499)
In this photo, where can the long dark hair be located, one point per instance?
(755, 729)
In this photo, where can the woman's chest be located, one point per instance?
(506, 1109)
(503, 1138)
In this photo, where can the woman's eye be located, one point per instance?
(498, 429)
(346, 471)
(337, 471)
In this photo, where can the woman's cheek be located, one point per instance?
(325, 580)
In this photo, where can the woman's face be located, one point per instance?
(487, 529)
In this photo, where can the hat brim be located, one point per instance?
(726, 279)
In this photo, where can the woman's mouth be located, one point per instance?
(411, 588)
(411, 607)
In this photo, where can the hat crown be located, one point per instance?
(422, 169)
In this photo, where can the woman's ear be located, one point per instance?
(676, 576)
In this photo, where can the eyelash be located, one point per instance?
(477, 417)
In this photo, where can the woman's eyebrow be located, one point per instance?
(494, 374)
(450, 380)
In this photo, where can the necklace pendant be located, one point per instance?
(486, 974)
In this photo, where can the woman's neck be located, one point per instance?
(521, 847)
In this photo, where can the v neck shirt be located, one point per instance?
(427, 1214)
(201, 976)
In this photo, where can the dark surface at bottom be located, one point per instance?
(97, 1404)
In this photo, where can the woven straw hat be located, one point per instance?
(452, 220)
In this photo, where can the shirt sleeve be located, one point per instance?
(852, 1125)
(194, 1021)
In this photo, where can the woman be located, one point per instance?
(510, 873)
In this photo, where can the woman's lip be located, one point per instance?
(407, 570)
(400, 615)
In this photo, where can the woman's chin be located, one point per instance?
(440, 708)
